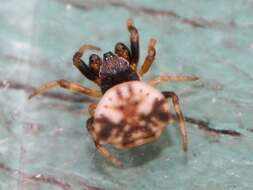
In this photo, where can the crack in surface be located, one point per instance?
(250, 130)
(36, 178)
(139, 9)
(204, 125)
(39, 178)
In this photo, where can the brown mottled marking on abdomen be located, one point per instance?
(119, 93)
(132, 116)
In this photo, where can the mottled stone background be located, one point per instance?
(44, 143)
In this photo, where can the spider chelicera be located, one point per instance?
(130, 112)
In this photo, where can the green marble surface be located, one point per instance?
(44, 143)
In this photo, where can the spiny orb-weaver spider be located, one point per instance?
(130, 112)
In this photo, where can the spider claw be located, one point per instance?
(130, 23)
(152, 42)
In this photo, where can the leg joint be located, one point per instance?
(63, 83)
(170, 94)
(76, 58)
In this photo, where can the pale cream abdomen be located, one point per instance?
(130, 114)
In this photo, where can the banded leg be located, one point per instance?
(91, 71)
(180, 117)
(164, 78)
(102, 150)
(73, 86)
(134, 41)
(149, 60)
(123, 51)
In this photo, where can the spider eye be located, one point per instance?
(108, 55)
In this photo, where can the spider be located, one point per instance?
(130, 112)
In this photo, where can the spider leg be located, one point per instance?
(180, 117)
(73, 86)
(83, 67)
(91, 109)
(149, 60)
(134, 41)
(102, 150)
(164, 78)
(122, 51)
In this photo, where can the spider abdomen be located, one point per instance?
(130, 114)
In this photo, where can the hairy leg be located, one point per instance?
(134, 41)
(91, 109)
(180, 117)
(102, 150)
(73, 86)
(122, 51)
(149, 60)
(167, 78)
(86, 70)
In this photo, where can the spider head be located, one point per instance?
(115, 70)
(113, 65)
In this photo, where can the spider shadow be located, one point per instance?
(142, 155)
(132, 157)
(135, 156)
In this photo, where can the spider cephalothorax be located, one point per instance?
(130, 113)
(115, 70)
